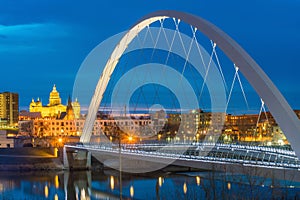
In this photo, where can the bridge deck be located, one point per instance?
(266, 157)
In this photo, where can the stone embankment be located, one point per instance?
(28, 158)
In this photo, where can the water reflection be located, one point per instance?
(160, 181)
(112, 183)
(198, 180)
(228, 185)
(131, 191)
(158, 185)
(56, 182)
(46, 191)
(184, 188)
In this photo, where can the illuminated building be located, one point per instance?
(76, 108)
(241, 126)
(195, 124)
(158, 122)
(9, 108)
(54, 108)
(44, 127)
(68, 126)
(69, 111)
(26, 120)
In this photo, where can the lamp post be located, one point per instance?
(197, 137)
(120, 164)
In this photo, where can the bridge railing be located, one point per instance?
(233, 153)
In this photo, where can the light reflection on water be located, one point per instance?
(159, 185)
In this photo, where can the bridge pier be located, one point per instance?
(76, 159)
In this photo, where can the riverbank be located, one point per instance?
(28, 158)
(37, 159)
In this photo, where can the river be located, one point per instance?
(158, 185)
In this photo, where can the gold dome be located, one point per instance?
(54, 98)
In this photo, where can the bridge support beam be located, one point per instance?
(75, 159)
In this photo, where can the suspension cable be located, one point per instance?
(241, 85)
(219, 65)
(206, 73)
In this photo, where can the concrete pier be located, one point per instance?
(74, 159)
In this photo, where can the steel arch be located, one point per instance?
(277, 104)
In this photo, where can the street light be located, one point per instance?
(159, 136)
(197, 137)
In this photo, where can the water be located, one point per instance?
(159, 185)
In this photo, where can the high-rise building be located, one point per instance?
(9, 108)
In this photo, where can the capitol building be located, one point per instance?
(55, 108)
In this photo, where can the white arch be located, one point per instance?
(278, 106)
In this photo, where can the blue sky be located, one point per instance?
(44, 42)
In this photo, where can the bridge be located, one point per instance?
(231, 158)
(224, 157)
(200, 152)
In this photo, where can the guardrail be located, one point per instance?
(211, 152)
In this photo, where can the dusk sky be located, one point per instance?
(44, 42)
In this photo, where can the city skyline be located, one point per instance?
(171, 116)
(52, 40)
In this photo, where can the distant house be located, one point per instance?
(5, 140)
